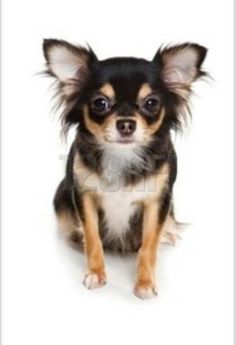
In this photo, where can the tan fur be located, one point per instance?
(71, 227)
(147, 253)
(152, 231)
(66, 223)
(96, 129)
(100, 131)
(93, 245)
(107, 90)
(88, 179)
(144, 91)
(148, 130)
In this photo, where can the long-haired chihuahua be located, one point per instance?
(117, 189)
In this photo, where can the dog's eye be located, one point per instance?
(151, 104)
(100, 104)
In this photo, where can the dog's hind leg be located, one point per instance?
(67, 215)
(171, 231)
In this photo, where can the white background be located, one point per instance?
(44, 301)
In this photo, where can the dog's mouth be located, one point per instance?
(122, 141)
(125, 141)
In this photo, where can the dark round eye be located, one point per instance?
(100, 104)
(151, 104)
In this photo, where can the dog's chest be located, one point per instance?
(118, 201)
(118, 208)
(119, 205)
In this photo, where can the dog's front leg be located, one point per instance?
(152, 227)
(95, 276)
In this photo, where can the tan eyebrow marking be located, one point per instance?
(108, 90)
(144, 91)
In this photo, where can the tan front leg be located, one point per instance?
(145, 281)
(96, 276)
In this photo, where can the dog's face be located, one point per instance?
(124, 102)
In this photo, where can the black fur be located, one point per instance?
(126, 75)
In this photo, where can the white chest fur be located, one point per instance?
(118, 206)
(118, 202)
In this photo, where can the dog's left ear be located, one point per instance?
(180, 65)
(68, 63)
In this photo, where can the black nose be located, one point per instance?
(126, 127)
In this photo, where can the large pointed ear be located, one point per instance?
(69, 64)
(181, 65)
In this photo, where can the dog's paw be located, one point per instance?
(170, 238)
(145, 292)
(171, 232)
(94, 280)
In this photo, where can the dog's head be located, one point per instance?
(124, 102)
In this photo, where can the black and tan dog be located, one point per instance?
(117, 192)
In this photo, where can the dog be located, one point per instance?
(117, 190)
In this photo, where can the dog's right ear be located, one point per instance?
(69, 64)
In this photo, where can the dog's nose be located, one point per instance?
(126, 127)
